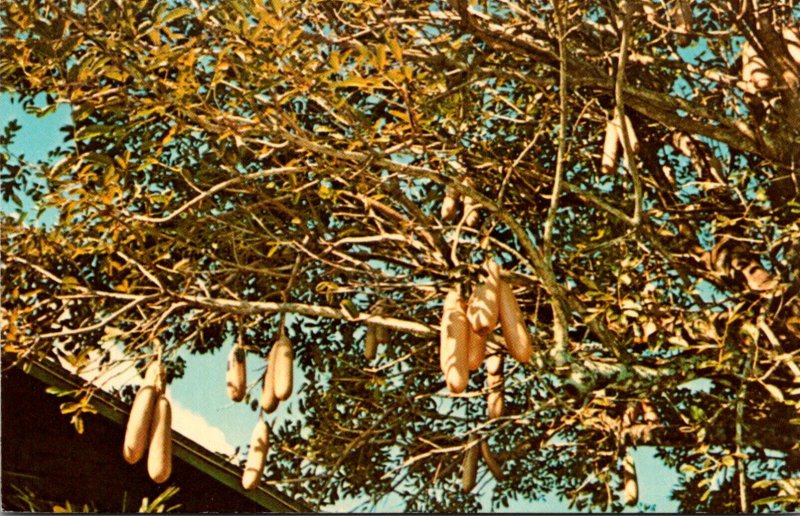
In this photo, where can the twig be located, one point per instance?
(213, 190)
(285, 292)
(99, 325)
(619, 87)
(562, 133)
(763, 326)
(740, 398)
(144, 271)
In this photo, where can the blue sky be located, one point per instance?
(204, 408)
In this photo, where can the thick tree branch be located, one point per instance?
(265, 308)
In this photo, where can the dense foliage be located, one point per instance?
(229, 161)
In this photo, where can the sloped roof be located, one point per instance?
(184, 449)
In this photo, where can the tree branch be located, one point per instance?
(562, 132)
(619, 86)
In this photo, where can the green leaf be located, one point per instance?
(350, 308)
(774, 391)
(325, 191)
(776, 499)
(57, 391)
(175, 14)
(91, 131)
(69, 282)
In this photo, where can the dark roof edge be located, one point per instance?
(184, 448)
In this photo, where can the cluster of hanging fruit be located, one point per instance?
(450, 204)
(376, 334)
(150, 426)
(466, 326)
(614, 141)
(464, 341)
(469, 467)
(150, 419)
(276, 387)
(756, 75)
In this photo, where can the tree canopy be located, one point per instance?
(231, 161)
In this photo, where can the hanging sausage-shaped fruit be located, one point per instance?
(515, 333)
(449, 204)
(484, 311)
(495, 403)
(159, 457)
(608, 161)
(471, 207)
(469, 468)
(755, 74)
(476, 350)
(256, 456)
(269, 402)
(236, 375)
(491, 461)
(633, 140)
(371, 342)
(137, 431)
(630, 483)
(284, 363)
(454, 342)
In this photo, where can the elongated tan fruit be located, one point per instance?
(495, 404)
(629, 480)
(382, 334)
(792, 40)
(494, 358)
(683, 142)
(371, 342)
(159, 458)
(257, 456)
(155, 376)
(632, 139)
(471, 212)
(630, 415)
(515, 333)
(754, 70)
(236, 376)
(483, 311)
(137, 432)
(454, 343)
(649, 413)
(476, 351)
(491, 461)
(684, 19)
(493, 270)
(649, 10)
(284, 358)
(269, 402)
(470, 206)
(469, 468)
(449, 204)
(608, 161)
(494, 400)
